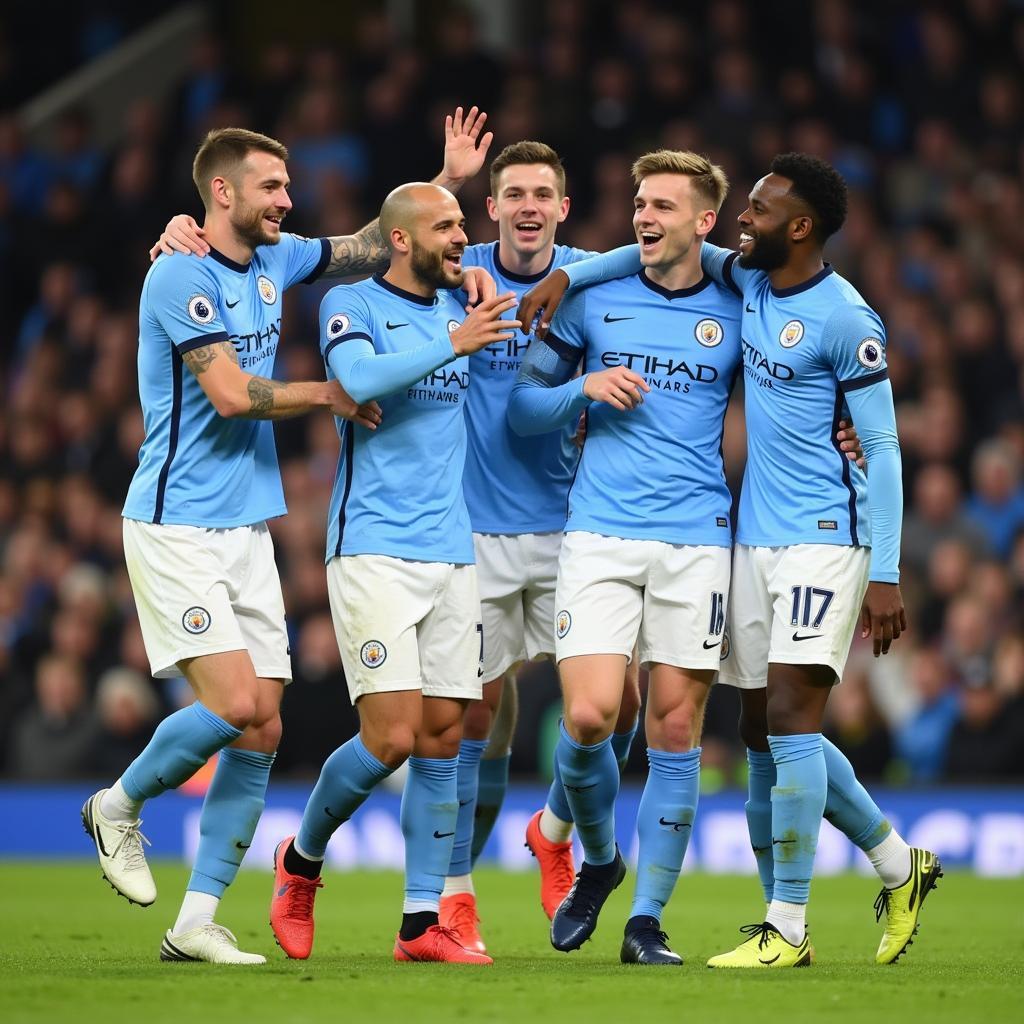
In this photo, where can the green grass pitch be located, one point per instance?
(72, 951)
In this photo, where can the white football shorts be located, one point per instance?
(796, 605)
(404, 625)
(201, 590)
(668, 599)
(516, 575)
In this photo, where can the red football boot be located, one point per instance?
(458, 915)
(437, 945)
(557, 870)
(291, 907)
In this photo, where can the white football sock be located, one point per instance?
(117, 805)
(552, 828)
(789, 919)
(891, 859)
(456, 884)
(197, 909)
(420, 906)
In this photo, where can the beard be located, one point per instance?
(770, 251)
(249, 228)
(428, 268)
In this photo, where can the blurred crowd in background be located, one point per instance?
(920, 106)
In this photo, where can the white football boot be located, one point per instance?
(211, 943)
(119, 848)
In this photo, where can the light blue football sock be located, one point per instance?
(180, 746)
(798, 801)
(848, 804)
(556, 794)
(430, 809)
(760, 779)
(664, 825)
(346, 779)
(470, 752)
(493, 783)
(621, 743)
(591, 780)
(227, 823)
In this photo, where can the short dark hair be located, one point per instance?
(222, 152)
(527, 152)
(819, 185)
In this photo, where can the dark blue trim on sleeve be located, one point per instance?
(565, 351)
(200, 340)
(321, 266)
(727, 274)
(351, 336)
(177, 369)
(856, 383)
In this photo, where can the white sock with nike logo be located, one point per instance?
(197, 909)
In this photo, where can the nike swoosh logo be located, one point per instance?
(579, 789)
(677, 826)
(807, 636)
(442, 835)
(390, 326)
(242, 846)
(708, 647)
(767, 963)
(231, 305)
(750, 309)
(609, 319)
(780, 842)
(162, 783)
(760, 849)
(284, 888)
(465, 803)
(329, 814)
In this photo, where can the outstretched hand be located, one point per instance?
(465, 149)
(542, 300)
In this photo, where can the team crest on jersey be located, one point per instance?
(869, 353)
(709, 333)
(200, 309)
(338, 325)
(791, 334)
(563, 623)
(268, 290)
(453, 325)
(196, 620)
(373, 654)
(726, 646)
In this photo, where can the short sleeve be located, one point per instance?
(344, 316)
(302, 259)
(185, 301)
(567, 325)
(854, 343)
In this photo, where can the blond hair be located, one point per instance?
(222, 153)
(527, 152)
(708, 179)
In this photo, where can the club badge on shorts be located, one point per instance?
(196, 620)
(373, 654)
(563, 623)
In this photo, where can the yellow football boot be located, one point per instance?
(902, 906)
(765, 948)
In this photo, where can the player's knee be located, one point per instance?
(478, 720)
(239, 710)
(392, 745)
(675, 732)
(265, 735)
(587, 723)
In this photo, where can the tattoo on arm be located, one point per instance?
(261, 395)
(361, 253)
(199, 359)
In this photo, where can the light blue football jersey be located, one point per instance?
(513, 484)
(804, 349)
(656, 472)
(196, 467)
(398, 489)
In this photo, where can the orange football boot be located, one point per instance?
(437, 945)
(458, 914)
(291, 907)
(557, 870)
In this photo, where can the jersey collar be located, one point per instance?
(679, 293)
(521, 278)
(781, 293)
(420, 300)
(224, 261)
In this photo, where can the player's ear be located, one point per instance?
(492, 209)
(400, 240)
(563, 209)
(221, 191)
(801, 228)
(705, 222)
